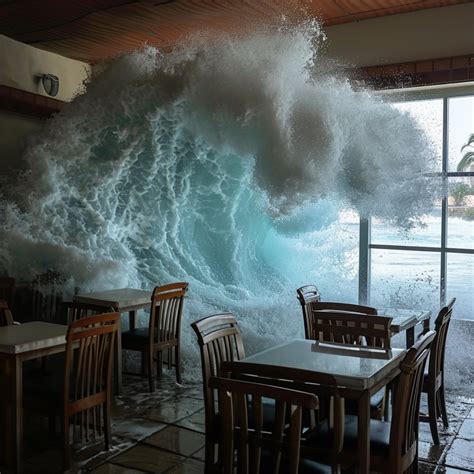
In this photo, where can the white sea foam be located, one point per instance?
(223, 163)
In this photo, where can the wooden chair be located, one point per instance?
(309, 297)
(163, 332)
(81, 393)
(353, 328)
(6, 318)
(433, 381)
(393, 446)
(219, 340)
(259, 450)
(350, 328)
(7, 289)
(329, 402)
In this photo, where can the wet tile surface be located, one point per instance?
(109, 468)
(164, 432)
(178, 440)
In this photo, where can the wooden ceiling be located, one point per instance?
(91, 30)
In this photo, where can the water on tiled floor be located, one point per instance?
(164, 433)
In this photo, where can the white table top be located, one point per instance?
(31, 336)
(355, 367)
(121, 298)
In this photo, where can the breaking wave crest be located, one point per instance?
(223, 163)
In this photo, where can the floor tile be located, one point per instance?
(201, 454)
(430, 452)
(109, 468)
(426, 468)
(460, 454)
(147, 458)
(136, 428)
(467, 430)
(174, 410)
(178, 440)
(196, 421)
(451, 470)
(190, 466)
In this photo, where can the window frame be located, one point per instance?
(365, 245)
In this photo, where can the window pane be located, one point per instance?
(461, 213)
(460, 284)
(460, 128)
(429, 235)
(405, 279)
(429, 115)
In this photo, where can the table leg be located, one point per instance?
(363, 433)
(410, 335)
(15, 415)
(132, 319)
(426, 325)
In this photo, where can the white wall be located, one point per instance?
(426, 34)
(20, 65)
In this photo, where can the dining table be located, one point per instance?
(406, 320)
(122, 300)
(20, 343)
(359, 372)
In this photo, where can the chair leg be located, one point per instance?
(386, 403)
(151, 371)
(107, 431)
(159, 362)
(442, 403)
(209, 457)
(177, 363)
(144, 364)
(433, 416)
(66, 447)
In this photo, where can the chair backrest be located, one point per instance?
(307, 295)
(256, 447)
(7, 289)
(219, 340)
(6, 318)
(350, 328)
(405, 415)
(88, 371)
(166, 312)
(72, 311)
(310, 297)
(436, 363)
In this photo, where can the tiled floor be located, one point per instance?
(164, 432)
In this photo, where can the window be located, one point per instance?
(436, 262)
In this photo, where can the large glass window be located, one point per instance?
(430, 265)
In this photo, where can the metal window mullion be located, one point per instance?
(444, 204)
(364, 260)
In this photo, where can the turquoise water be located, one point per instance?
(223, 163)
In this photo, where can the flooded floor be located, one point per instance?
(164, 433)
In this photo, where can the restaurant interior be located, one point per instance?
(236, 236)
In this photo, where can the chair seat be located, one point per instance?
(139, 337)
(376, 401)
(379, 435)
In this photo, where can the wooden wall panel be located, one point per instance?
(91, 30)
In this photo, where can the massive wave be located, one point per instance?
(225, 163)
